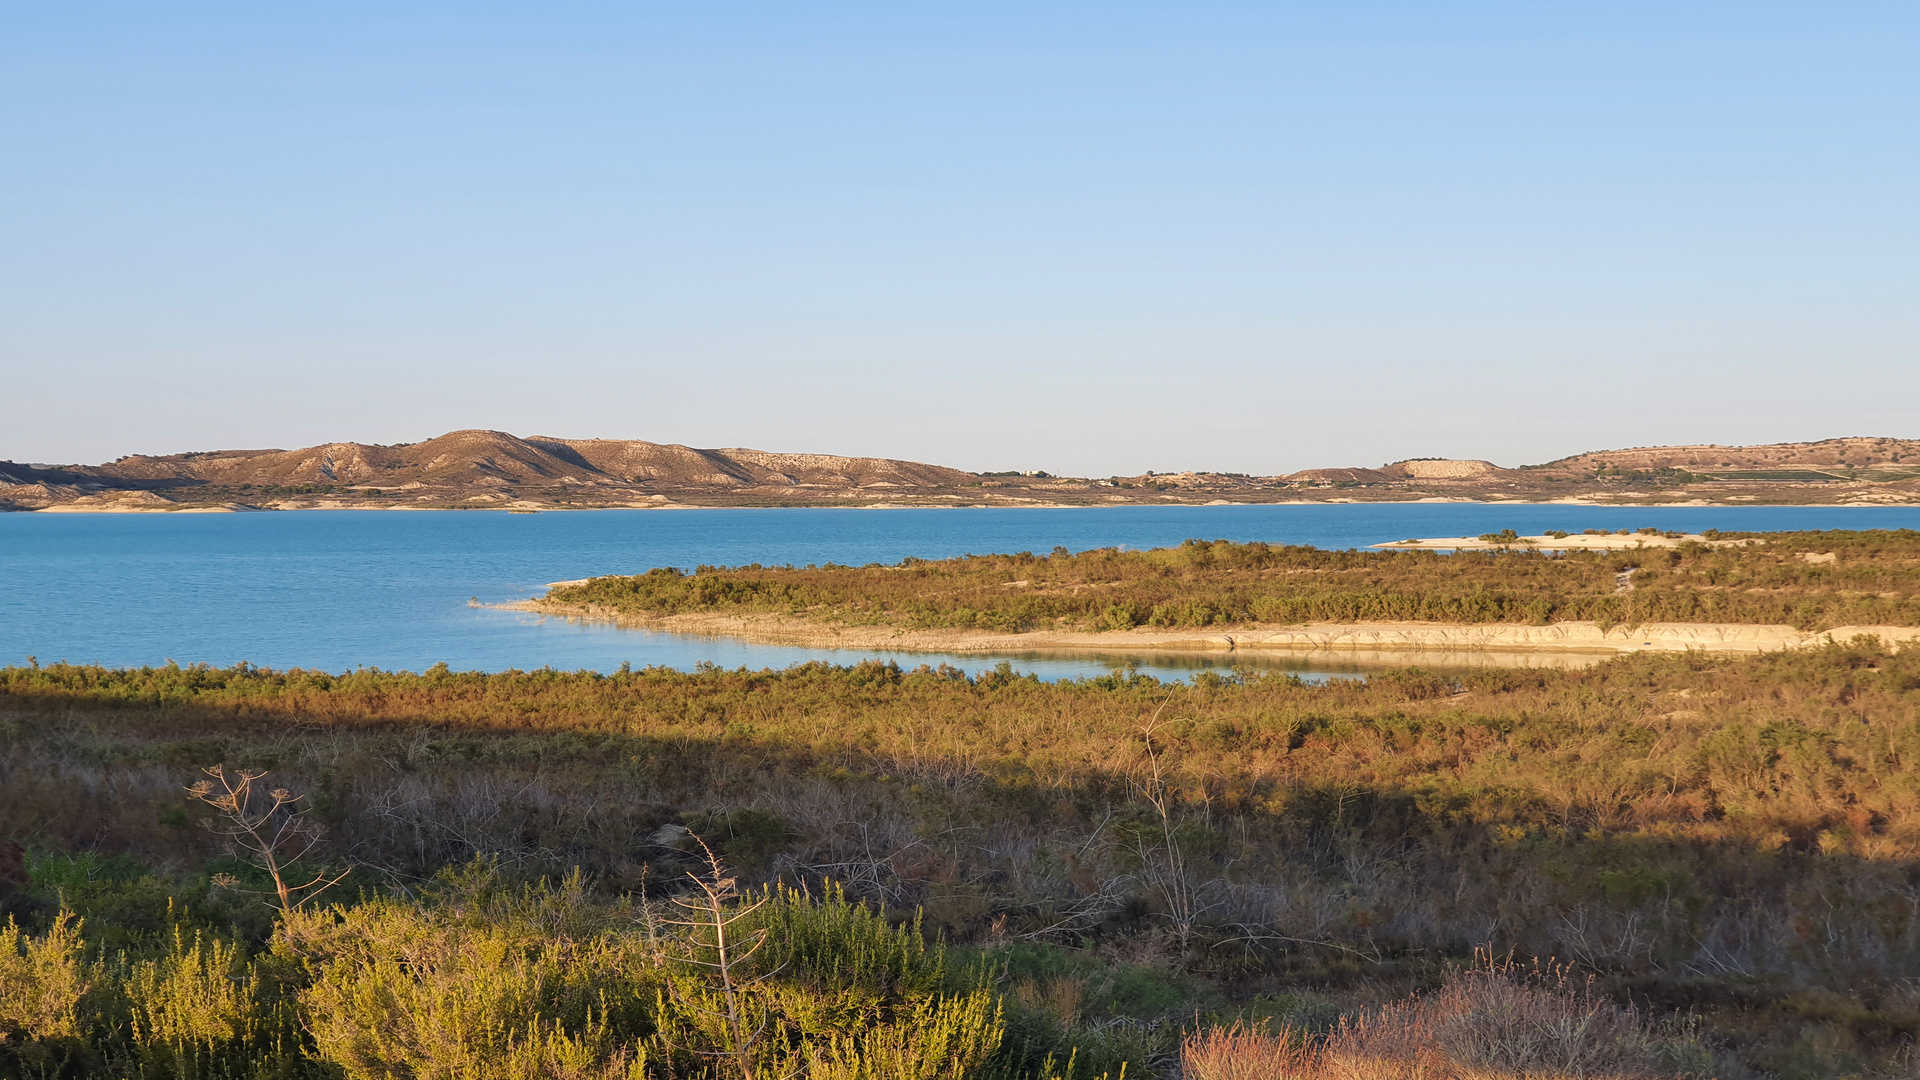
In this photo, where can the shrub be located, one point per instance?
(1499, 1020)
(1518, 1022)
(507, 990)
(198, 995)
(939, 1037)
(1245, 1052)
(44, 982)
(747, 837)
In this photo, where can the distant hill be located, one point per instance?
(492, 469)
(1832, 456)
(467, 468)
(497, 459)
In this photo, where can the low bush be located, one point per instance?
(477, 979)
(1497, 1022)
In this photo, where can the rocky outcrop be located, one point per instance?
(1443, 469)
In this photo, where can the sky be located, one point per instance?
(1092, 239)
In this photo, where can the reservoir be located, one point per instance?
(338, 590)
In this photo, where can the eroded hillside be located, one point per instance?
(495, 470)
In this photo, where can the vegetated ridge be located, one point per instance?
(492, 469)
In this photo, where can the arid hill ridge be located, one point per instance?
(495, 459)
(465, 468)
(1827, 454)
(493, 469)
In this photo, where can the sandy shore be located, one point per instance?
(1412, 640)
(1570, 542)
(75, 508)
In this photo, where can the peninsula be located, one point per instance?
(1728, 593)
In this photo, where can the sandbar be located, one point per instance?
(1401, 638)
(1569, 542)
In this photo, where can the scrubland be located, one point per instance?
(1809, 580)
(1660, 866)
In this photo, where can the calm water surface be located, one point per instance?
(337, 590)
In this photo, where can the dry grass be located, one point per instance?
(1500, 1021)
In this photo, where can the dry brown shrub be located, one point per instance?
(1061, 997)
(1244, 1052)
(1498, 1021)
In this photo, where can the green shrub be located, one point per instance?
(45, 982)
(404, 990)
(747, 838)
(938, 1037)
(198, 995)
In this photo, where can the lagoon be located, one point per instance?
(337, 590)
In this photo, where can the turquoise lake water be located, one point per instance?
(336, 590)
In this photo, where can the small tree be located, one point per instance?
(269, 829)
(1173, 876)
(736, 1017)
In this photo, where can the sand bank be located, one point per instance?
(1366, 639)
(108, 508)
(1570, 542)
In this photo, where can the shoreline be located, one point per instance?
(1571, 542)
(1360, 639)
(238, 508)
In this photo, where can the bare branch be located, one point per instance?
(271, 831)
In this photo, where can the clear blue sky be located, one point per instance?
(1092, 239)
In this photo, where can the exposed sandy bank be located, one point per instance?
(1570, 542)
(1370, 638)
(108, 508)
